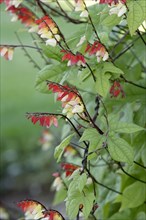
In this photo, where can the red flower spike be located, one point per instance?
(116, 89)
(77, 59)
(69, 168)
(44, 120)
(65, 93)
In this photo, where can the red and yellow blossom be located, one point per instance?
(98, 50)
(116, 89)
(70, 99)
(77, 59)
(35, 210)
(47, 29)
(10, 3)
(7, 52)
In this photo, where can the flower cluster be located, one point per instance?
(24, 15)
(77, 59)
(35, 210)
(116, 6)
(44, 120)
(80, 6)
(6, 52)
(71, 102)
(48, 30)
(98, 50)
(116, 89)
(46, 139)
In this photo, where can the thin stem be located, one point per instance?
(123, 52)
(94, 78)
(139, 164)
(101, 184)
(27, 54)
(22, 45)
(132, 83)
(142, 181)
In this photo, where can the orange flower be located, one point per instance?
(7, 52)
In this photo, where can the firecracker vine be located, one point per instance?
(94, 75)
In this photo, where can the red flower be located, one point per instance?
(6, 52)
(69, 168)
(65, 93)
(98, 50)
(77, 59)
(24, 15)
(45, 120)
(116, 89)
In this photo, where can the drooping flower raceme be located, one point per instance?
(77, 59)
(116, 89)
(6, 52)
(116, 6)
(80, 6)
(98, 50)
(9, 3)
(71, 102)
(48, 30)
(25, 16)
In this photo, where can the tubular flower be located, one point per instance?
(69, 168)
(45, 120)
(77, 59)
(116, 6)
(80, 6)
(71, 102)
(57, 184)
(46, 139)
(6, 52)
(48, 30)
(25, 16)
(98, 50)
(116, 89)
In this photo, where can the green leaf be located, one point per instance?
(60, 196)
(93, 137)
(77, 198)
(102, 84)
(53, 72)
(123, 127)
(120, 150)
(60, 148)
(82, 180)
(133, 196)
(52, 52)
(136, 14)
(109, 21)
(110, 67)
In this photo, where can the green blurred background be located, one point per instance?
(26, 170)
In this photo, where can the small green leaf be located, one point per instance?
(109, 21)
(53, 72)
(120, 150)
(82, 180)
(123, 127)
(136, 14)
(52, 52)
(102, 84)
(133, 196)
(94, 138)
(60, 148)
